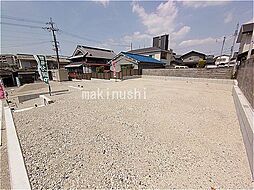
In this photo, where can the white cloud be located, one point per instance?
(136, 36)
(180, 33)
(202, 4)
(228, 17)
(160, 21)
(196, 42)
(102, 2)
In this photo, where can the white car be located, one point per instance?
(181, 67)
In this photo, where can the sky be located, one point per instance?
(191, 25)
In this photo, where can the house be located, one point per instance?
(158, 51)
(23, 67)
(87, 59)
(27, 61)
(8, 60)
(176, 60)
(135, 62)
(192, 58)
(244, 38)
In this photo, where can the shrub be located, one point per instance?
(100, 69)
(201, 63)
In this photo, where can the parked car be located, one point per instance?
(181, 67)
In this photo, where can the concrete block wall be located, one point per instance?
(218, 73)
(245, 79)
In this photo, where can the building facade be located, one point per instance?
(245, 39)
(87, 59)
(135, 62)
(192, 58)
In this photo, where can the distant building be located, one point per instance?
(244, 38)
(8, 60)
(159, 50)
(86, 59)
(192, 58)
(161, 42)
(27, 61)
(126, 60)
(24, 67)
(210, 60)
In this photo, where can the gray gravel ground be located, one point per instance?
(184, 135)
(4, 169)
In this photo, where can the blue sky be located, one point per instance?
(192, 25)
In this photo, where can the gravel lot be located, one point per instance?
(183, 135)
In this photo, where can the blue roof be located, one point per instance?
(142, 58)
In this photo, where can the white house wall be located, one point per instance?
(123, 61)
(245, 43)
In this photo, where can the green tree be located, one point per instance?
(201, 63)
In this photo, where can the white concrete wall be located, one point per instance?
(245, 43)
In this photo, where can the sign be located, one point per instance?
(114, 68)
(42, 68)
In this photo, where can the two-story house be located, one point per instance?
(192, 58)
(245, 38)
(158, 51)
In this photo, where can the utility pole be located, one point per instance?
(224, 39)
(131, 45)
(235, 35)
(52, 29)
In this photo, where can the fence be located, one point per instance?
(106, 75)
(218, 73)
(245, 79)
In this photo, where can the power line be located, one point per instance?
(22, 19)
(21, 25)
(91, 40)
(28, 44)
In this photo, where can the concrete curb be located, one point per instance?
(25, 97)
(46, 100)
(131, 77)
(18, 174)
(74, 87)
(218, 81)
(245, 116)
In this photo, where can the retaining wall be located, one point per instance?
(218, 73)
(245, 79)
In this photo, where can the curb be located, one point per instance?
(18, 174)
(245, 116)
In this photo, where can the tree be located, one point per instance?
(201, 63)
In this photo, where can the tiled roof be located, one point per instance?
(94, 52)
(141, 58)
